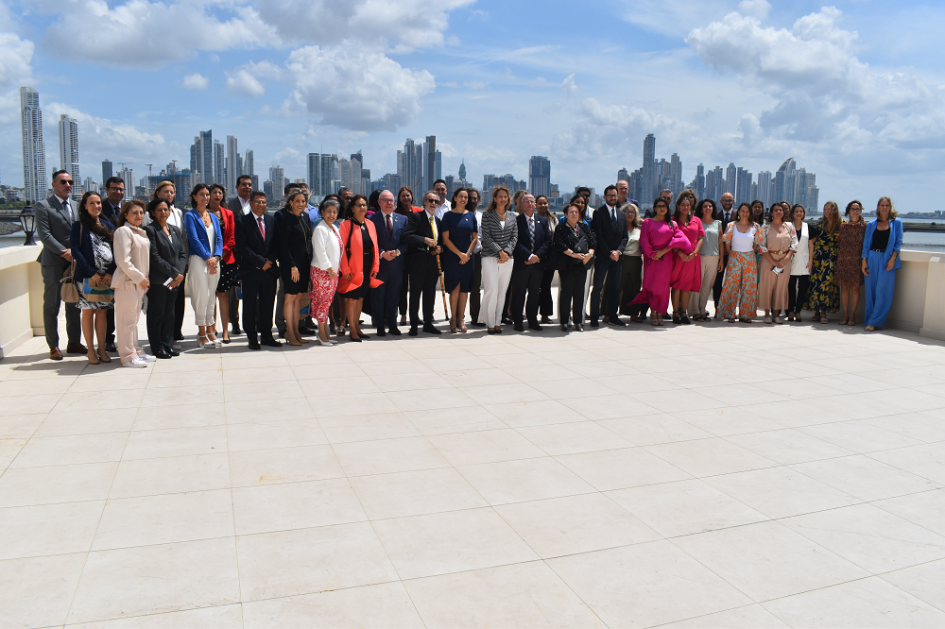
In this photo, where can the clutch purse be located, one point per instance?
(97, 293)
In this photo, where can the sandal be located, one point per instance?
(731, 320)
(823, 319)
(870, 328)
(654, 321)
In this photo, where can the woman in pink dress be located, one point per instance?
(687, 266)
(658, 237)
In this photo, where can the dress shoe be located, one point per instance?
(617, 322)
(564, 327)
(381, 332)
(111, 347)
(395, 331)
(174, 351)
(594, 324)
(579, 327)
(55, 354)
(506, 320)
(270, 343)
(413, 331)
(490, 331)
(547, 320)
(76, 348)
(254, 346)
(178, 337)
(236, 330)
(431, 330)
(534, 326)
(356, 340)
(162, 355)
(518, 327)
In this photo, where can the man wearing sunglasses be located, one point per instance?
(424, 240)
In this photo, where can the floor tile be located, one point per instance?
(789, 446)
(388, 455)
(429, 399)
(94, 400)
(610, 406)
(678, 401)
(924, 582)
(523, 595)
(37, 592)
(870, 537)
(922, 426)
(767, 560)
(468, 419)
(709, 457)
(174, 442)
(165, 519)
(86, 423)
(55, 529)
(156, 579)
(280, 564)
(487, 446)
(648, 430)
(518, 414)
(221, 617)
(865, 478)
(926, 461)
(749, 617)
(780, 492)
(616, 469)
(71, 450)
(573, 437)
(528, 479)
(927, 509)
(368, 427)
(64, 483)
(860, 436)
(684, 507)
(866, 603)
(574, 524)
(283, 507)
(417, 492)
(171, 475)
(384, 606)
(441, 543)
(645, 585)
(283, 465)
(274, 433)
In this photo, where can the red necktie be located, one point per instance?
(262, 228)
(390, 227)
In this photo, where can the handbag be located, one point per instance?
(69, 291)
(97, 294)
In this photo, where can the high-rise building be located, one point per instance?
(277, 179)
(623, 175)
(698, 184)
(34, 150)
(784, 179)
(320, 173)
(742, 186)
(219, 163)
(763, 193)
(675, 174)
(89, 185)
(539, 175)
(431, 159)
(128, 176)
(69, 151)
(233, 169)
(201, 157)
(731, 179)
(107, 171)
(649, 175)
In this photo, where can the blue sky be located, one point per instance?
(852, 90)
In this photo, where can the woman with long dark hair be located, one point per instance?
(824, 291)
(499, 235)
(168, 191)
(460, 233)
(91, 243)
(205, 237)
(740, 286)
(659, 237)
(710, 257)
(295, 261)
(686, 277)
(573, 245)
(166, 274)
(799, 282)
(228, 266)
(360, 261)
(778, 245)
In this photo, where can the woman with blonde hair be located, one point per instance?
(824, 296)
(499, 235)
(631, 272)
(881, 247)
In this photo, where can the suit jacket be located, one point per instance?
(524, 248)
(168, 256)
(234, 205)
(418, 228)
(720, 215)
(894, 244)
(253, 249)
(53, 228)
(609, 236)
(389, 243)
(110, 213)
(82, 250)
(352, 256)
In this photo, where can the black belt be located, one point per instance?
(878, 250)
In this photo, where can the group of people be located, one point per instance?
(318, 270)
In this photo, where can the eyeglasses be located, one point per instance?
(387, 200)
(430, 201)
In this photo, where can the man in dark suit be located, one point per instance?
(255, 240)
(610, 229)
(423, 238)
(240, 205)
(54, 218)
(727, 215)
(111, 210)
(390, 243)
(531, 250)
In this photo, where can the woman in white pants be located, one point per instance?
(130, 282)
(499, 235)
(205, 239)
(711, 257)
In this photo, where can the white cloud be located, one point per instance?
(15, 57)
(568, 86)
(754, 8)
(353, 89)
(245, 79)
(196, 81)
(143, 34)
(101, 137)
(673, 17)
(408, 24)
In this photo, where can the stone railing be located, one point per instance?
(919, 303)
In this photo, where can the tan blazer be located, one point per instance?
(132, 256)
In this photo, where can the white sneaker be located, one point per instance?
(148, 358)
(136, 362)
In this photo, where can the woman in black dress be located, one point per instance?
(295, 258)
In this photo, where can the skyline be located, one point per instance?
(850, 90)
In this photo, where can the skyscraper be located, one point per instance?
(430, 162)
(675, 174)
(128, 176)
(69, 151)
(107, 171)
(764, 188)
(201, 157)
(232, 164)
(731, 178)
(319, 173)
(649, 176)
(34, 150)
(219, 164)
(743, 186)
(277, 177)
(539, 175)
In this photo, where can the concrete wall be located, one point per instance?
(21, 297)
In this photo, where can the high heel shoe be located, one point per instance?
(103, 356)
(319, 340)
(204, 343)
(356, 340)
(93, 358)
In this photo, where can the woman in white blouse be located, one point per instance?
(326, 262)
(799, 284)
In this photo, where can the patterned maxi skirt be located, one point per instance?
(740, 286)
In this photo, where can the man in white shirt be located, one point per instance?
(442, 206)
(240, 206)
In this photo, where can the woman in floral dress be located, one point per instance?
(824, 294)
(849, 262)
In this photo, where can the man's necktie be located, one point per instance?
(68, 209)
(531, 232)
(262, 227)
(433, 227)
(390, 227)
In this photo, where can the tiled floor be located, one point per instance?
(703, 476)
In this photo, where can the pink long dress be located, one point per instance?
(656, 235)
(688, 275)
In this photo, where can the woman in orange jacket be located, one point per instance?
(359, 263)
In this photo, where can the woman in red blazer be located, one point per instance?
(228, 266)
(359, 263)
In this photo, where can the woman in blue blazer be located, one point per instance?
(91, 243)
(881, 247)
(205, 239)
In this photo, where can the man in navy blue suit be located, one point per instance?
(386, 297)
(531, 252)
(610, 228)
(255, 240)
